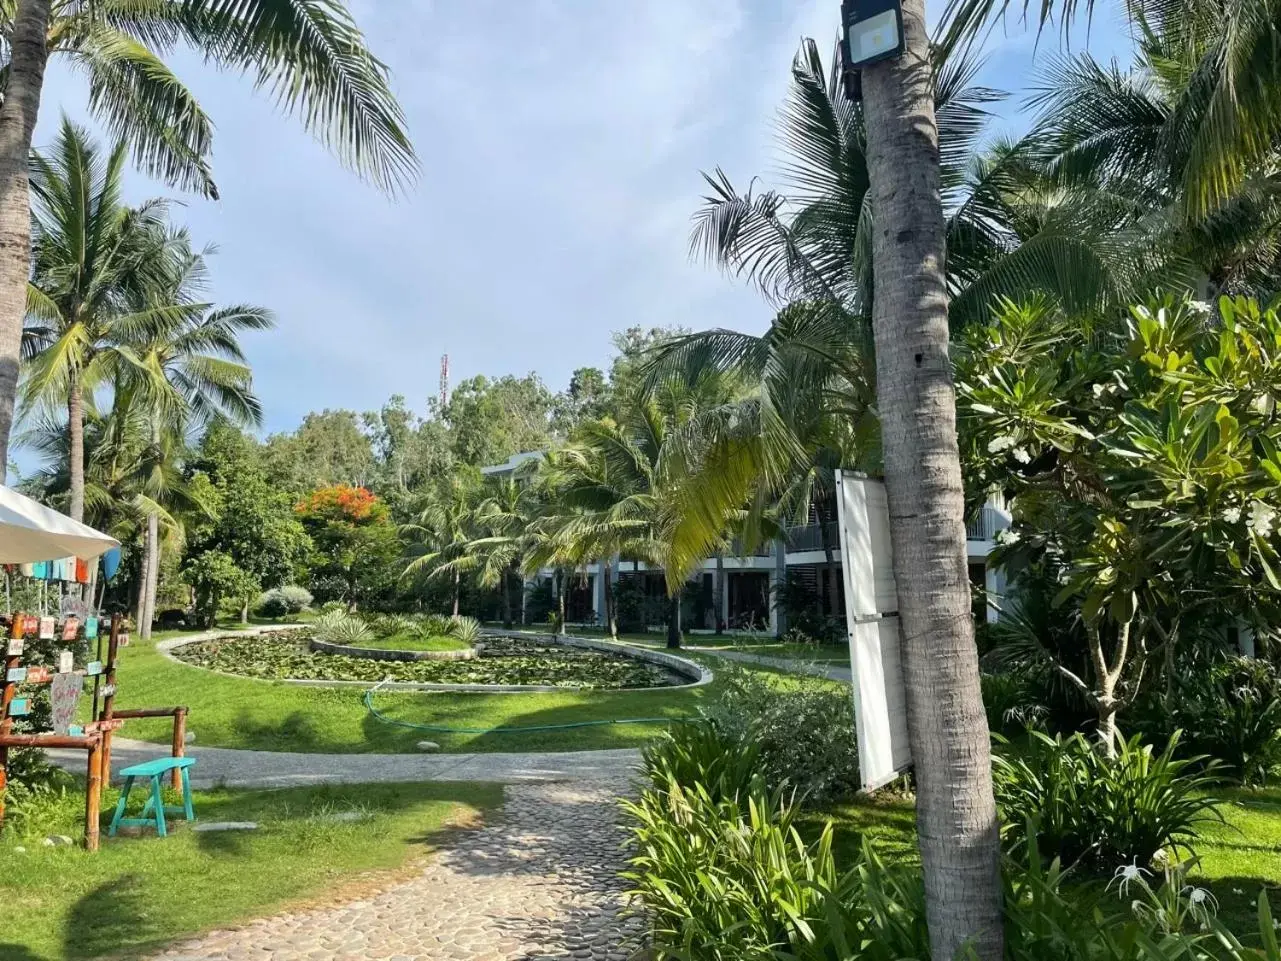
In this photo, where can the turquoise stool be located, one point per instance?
(154, 811)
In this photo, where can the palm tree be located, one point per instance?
(94, 259)
(443, 529)
(310, 53)
(188, 371)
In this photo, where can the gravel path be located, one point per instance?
(216, 765)
(540, 882)
(832, 672)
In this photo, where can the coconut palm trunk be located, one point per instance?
(508, 623)
(611, 615)
(153, 574)
(956, 814)
(28, 54)
(76, 451)
(719, 616)
(674, 621)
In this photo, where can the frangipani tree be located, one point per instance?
(1142, 460)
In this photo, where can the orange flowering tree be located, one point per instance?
(355, 547)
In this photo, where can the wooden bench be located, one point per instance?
(154, 811)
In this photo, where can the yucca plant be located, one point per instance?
(338, 627)
(435, 625)
(389, 625)
(465, 629)
(1101, 811)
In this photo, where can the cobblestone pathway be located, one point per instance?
(538, 882)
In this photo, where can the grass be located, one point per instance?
(137, 894)
(416, 642)
(265, 715)
(1238, 858)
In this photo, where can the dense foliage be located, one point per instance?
(1097, 810)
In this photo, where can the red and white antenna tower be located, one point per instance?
(444, 380)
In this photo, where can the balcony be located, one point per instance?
(985, 525)
(810, 538)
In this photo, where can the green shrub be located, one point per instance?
(697, 753)
(1096, 810)
(1229, 709)
(271, 604)
(338, 627)
(802, 730)
(389, 625)
(436, 625)
(465, 629)
(1012, 703)
(721, 873)
(297, 598)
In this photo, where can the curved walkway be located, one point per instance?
(541, 882)
(269, 769)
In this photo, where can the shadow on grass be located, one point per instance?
(112, 914)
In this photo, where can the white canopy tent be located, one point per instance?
(31, 532)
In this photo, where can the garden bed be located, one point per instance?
(401, 649)
(504, 662)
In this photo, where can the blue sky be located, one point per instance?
(561, 143)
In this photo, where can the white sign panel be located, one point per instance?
(871, 606)
(867, 557)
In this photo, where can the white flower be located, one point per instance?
(1098, 390)
(1199, 307)
(1261, 518)
(1022, 456)
(1126, 875)
(1161, 857)
(1232, 515)
(1007, 536)
(998, 444)
(1238, 891)
(1198, 895)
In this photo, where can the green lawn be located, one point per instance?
(136, 894)
(415, 642)
(264, 715)
(1237, 858)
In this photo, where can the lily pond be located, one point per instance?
(286, 655)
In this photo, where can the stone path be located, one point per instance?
(539, 882)
(235, 768)
(833, 672)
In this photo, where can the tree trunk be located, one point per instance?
(955, 810)
(674, 622)
(560, 602)
(825, 590)
(611, 615)
(720, 594)
(152, 556)
(244, 611)
(456, 591)
(507, 600)
(76, 447)
(28, 54)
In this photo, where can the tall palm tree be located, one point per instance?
(443, 529)
(94, 261)
(309, 53)
(188, 371)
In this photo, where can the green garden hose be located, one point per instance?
(441, 729)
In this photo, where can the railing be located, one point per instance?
(810, 537)
(985, 526)
(738, 549)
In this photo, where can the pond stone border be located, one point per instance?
(696, 674)
(391, 654)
